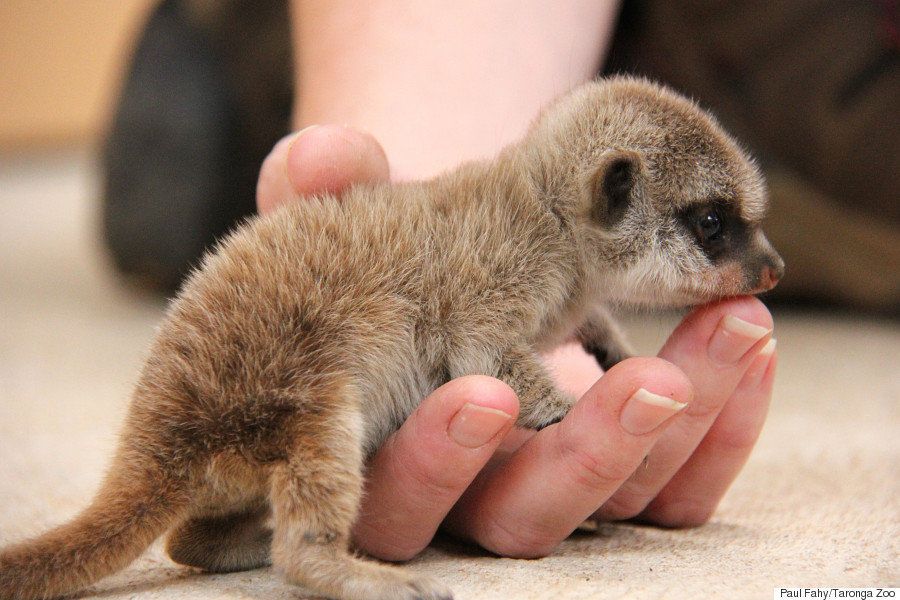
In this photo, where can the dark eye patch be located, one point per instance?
(716, 227)
(613, 186)
(618, 183)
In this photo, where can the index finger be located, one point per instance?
(426, 465)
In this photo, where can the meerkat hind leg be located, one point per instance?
(239, 541)
(315, 500)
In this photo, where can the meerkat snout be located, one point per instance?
(764, 268)
(770, 277)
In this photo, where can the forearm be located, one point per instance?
(438, 84)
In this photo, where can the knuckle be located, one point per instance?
(732, 442)
(385, 543)
(592, 472)
(625, 504)
(519, 542)
(423, 474)
(431, 480)
(735, 434)
(705, 407)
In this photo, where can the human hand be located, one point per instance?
(521, 493)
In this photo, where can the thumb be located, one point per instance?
(318, 159)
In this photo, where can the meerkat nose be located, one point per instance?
(771, 274)
(777, 269)
(768, 279)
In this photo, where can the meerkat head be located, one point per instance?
(664, 206)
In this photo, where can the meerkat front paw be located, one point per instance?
(602, 338)
(549, 410)
(608, 356)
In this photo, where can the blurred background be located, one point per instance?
(176, 103)
(127, 143)
(62, 65)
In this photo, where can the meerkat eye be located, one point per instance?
(708, 226)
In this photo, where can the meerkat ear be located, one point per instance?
(615, 182)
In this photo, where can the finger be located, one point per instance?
(426, 465)
(714, 346)
(560, 475)
(692, 496)
(319, 159)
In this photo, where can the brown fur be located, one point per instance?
(312, 333)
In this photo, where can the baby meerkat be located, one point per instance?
(310, 334)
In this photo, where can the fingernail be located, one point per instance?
(645, 411)
(754, 376)
(474, 425)
(304, 130)
(293, 137)
(293, 140)
(733, 338)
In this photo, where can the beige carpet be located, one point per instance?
(816, 506)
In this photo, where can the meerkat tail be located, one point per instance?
(137, 502)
